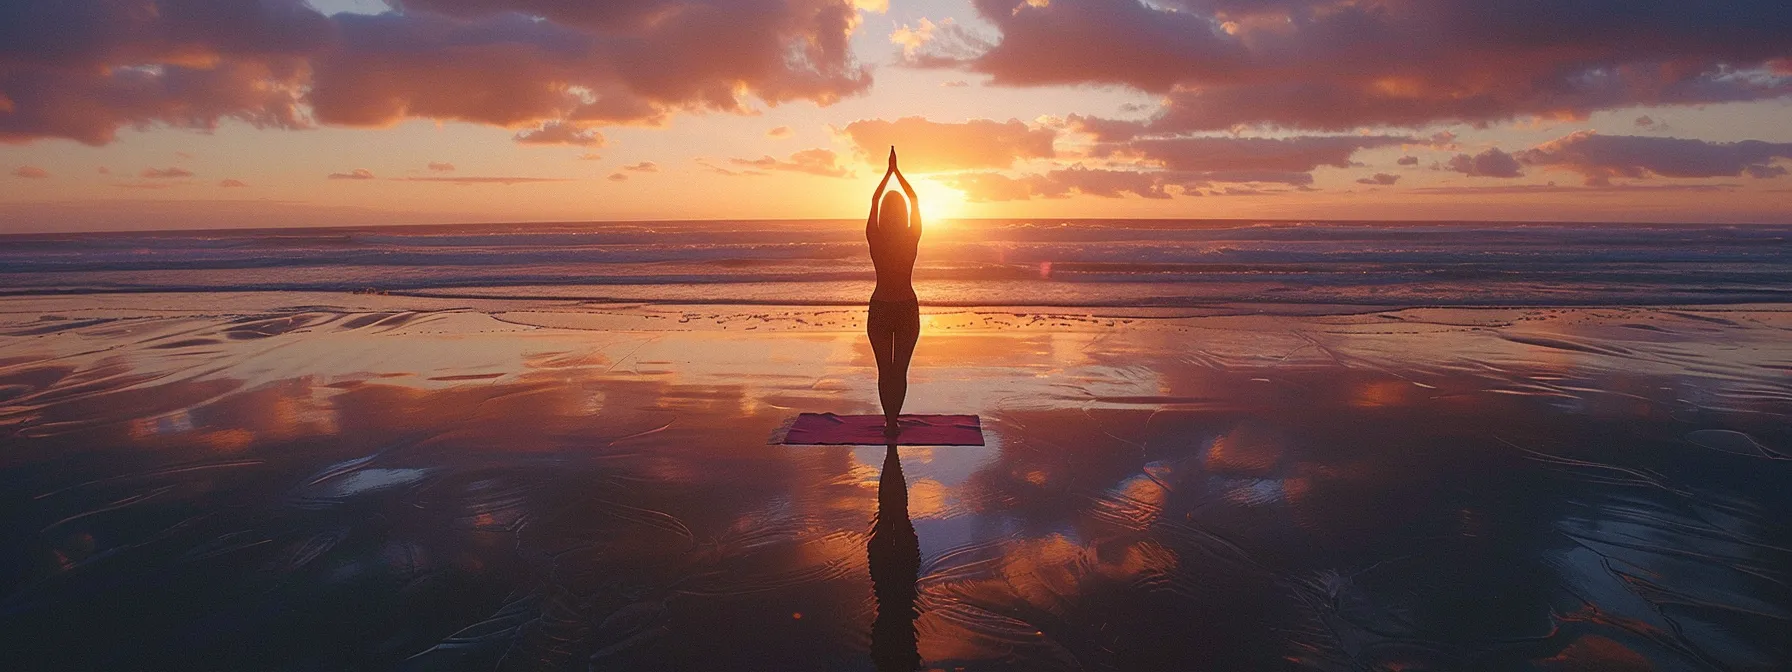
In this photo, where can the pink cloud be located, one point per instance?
(617, 177)
(643, 167)
(232, 184)
(1379, 179)
(356, 174)
(441, 167)
(31, 173)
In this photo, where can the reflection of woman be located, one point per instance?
(895, 554)
(894, 321)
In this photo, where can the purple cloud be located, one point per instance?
(1599, 158)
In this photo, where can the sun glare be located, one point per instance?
(939, 203)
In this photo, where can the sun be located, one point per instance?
(939, 203)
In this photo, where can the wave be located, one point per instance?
(994, 262)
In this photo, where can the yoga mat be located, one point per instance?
(827, 429)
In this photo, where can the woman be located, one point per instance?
(894, 320)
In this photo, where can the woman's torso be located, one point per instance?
(895, 264)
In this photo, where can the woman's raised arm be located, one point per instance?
(871, 220)
(914, 206)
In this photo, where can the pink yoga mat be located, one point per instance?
(868, 430)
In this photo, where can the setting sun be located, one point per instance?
(939, 204)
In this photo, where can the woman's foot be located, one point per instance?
(891, 429)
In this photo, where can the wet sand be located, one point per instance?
(334, 481)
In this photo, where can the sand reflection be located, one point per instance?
(1236, 493)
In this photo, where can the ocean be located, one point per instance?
(1085, 263)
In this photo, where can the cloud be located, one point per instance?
(955, 84)
(232, 184)
(356, 174)
(928, 146)
(1295, 155)
(617, 177)
(1407, 161)
(1552, 188)
(591, 156)
(812, 161)
(82, 69)
(1379, 179)
(507, 181)
(1599, 158)
(779, 132)
(441, 166)
(170, 173)
(932, 44)
(1343, 64)
(724, 171)
(1490, 163)
(31, 173)
(643, 167)
(561, 133)
(990, 186)
(1645, 121)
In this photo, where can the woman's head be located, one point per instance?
(892, 215)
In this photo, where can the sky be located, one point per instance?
(153, 114)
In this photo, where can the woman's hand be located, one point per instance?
(892, 158)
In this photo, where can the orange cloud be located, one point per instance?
(356, 174)
(812, 161)
(930, 146)
(165, 173)
(31, 173)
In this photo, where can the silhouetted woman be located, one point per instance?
(894, 321)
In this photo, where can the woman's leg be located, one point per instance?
(906, 332)
(891, 383)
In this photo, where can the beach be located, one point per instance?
(331, 480)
